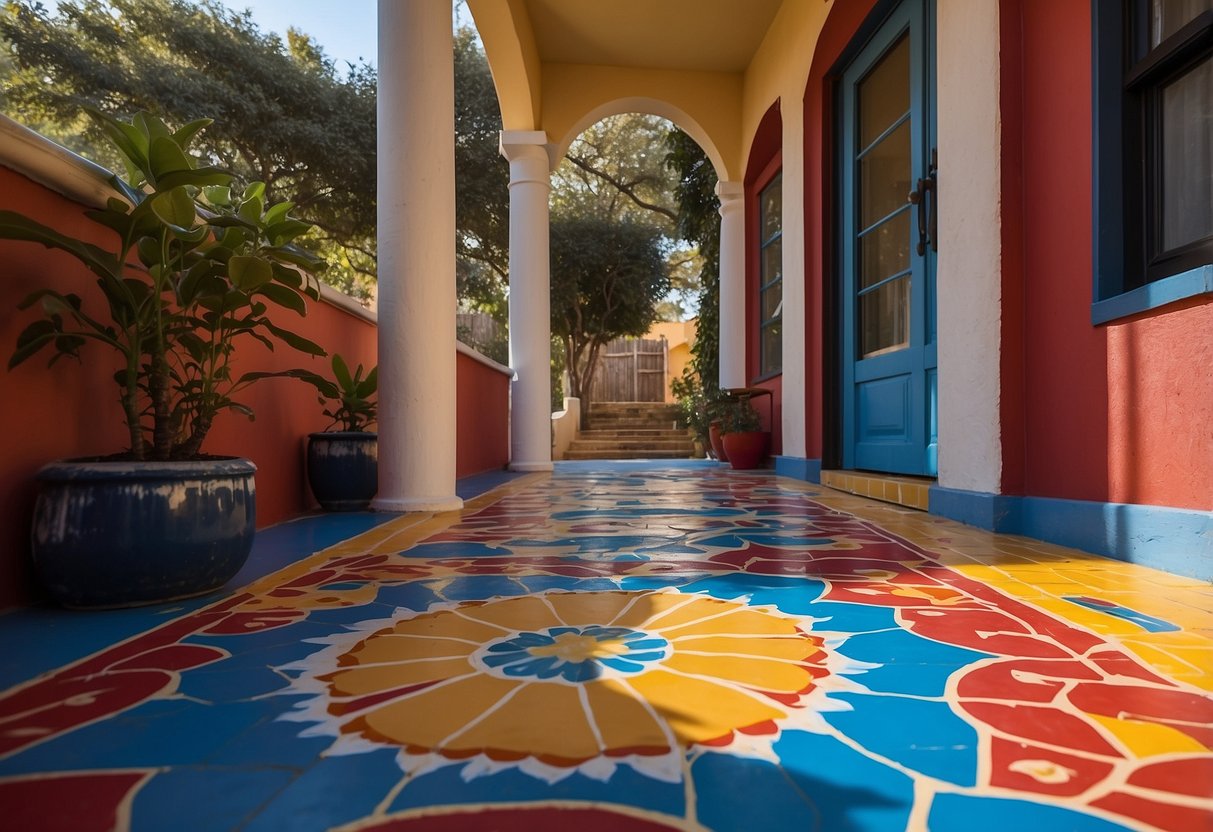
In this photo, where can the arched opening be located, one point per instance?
(624, 281)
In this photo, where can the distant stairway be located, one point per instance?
(632, 430)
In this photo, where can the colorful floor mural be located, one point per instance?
(639, 647)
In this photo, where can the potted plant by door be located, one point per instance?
(194, 270)
(343, 464)
(744, 441)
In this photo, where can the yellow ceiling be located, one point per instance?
(697, 35)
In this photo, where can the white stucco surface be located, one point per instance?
(793, 419)
(416, 221)
(732, 284)
(530, 300)
(970, 249)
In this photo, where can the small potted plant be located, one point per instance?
(691, 401)
(194, 270)
(343, 464)
(745, 442)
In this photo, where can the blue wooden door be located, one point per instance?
(886, 141)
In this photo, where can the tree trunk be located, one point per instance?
(587, 374)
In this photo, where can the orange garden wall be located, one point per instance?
(71, 410)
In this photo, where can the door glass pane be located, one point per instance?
(1187, 157)
(772, 261)
(884, 318)
(772, 348)
(1168, 16)
(884, 95)
(885, 250)
(771, 299)
(772, 208)
(884, 176)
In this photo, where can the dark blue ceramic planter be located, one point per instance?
(343, 469)
(116, 534)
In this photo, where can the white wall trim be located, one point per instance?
(68, 174)
(35, 156)
(483, 359)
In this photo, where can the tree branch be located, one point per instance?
(623, 187)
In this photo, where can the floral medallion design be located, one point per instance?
(566, 681)
(635, 649)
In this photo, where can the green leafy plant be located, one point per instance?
(349, 398)
(193, 272)
(739, 416)
(697, 409)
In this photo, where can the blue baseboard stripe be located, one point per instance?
(799, 468)
(1175, 540)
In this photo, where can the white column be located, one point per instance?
(794, 377)
(416, 219)
(969, 275)
(530, 300)
(732, 284)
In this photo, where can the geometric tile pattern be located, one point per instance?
(643, 648)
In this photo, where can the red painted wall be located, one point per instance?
(765, 160)
(1123, 412)
(482, 418)
(71, 410)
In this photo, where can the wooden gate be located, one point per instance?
(631, 370)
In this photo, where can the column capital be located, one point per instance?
(729, 192)
(527, 147)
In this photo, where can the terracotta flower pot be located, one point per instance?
(748, 449)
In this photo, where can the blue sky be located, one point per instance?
(345, 28)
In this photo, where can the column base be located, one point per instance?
(406, 504)
(527, 467)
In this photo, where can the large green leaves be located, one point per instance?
(249, 272)
(183, 285)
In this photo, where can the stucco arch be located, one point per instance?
(649, 106)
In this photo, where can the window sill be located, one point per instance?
(1189, 284)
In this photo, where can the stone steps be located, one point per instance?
(681, 444)
(646, 454)
(632, 430)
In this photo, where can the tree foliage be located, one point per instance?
(699, 222)
(616, 170)
(607, 278)
(482, 181)
(283, 113)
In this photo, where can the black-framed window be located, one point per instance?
(1154, 152)
(770, 277)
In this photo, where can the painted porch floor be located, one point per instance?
(626, 646)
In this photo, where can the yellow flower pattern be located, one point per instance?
(561, 681)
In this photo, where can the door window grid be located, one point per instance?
(770, 278)
(883, 244)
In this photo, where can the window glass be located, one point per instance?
(884, 96)
(1154, 151)
(1187, 157)
(885, 250)
(1168, 16)
(770, 278)
(885, 318)
(772, 209)
(772, 347)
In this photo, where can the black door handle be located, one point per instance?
(927, 207)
